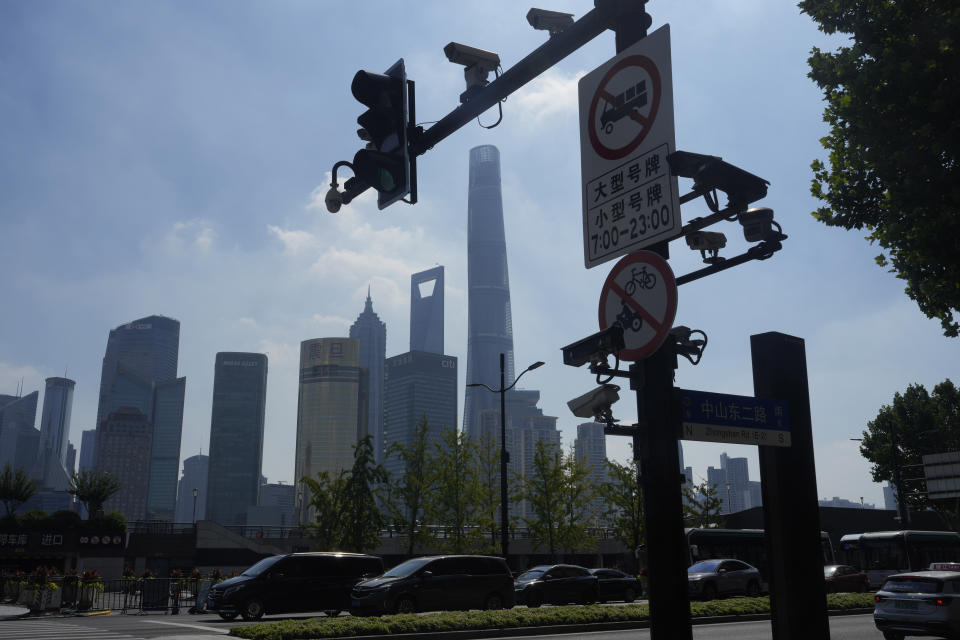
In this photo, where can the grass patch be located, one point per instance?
(349, 626)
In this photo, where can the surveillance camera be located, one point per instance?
(711, 172)
(757, 224)
(553, 21)
(594, 348)
(706, 240)
(596, 403)
(470, 56)
(334, 199)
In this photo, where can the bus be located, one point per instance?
(748, 545)
(882, 553)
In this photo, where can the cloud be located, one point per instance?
(11, 374)
(186, 235)
(553, 93)
(294, 241)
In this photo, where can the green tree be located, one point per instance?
(16, 487)
(578, 491)
(894, 142)
(452, 504)
(361, 516)
(702, 506)
(93, 489)
(915, 424)
(486, 494)
(543, 490)
(327, 495)
(408, 494)
(623, 494)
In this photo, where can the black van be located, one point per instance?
(292, 583)
(435, 583)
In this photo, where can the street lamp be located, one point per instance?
(504, 456)
(728, 498)
(902, 511)
(196, 492)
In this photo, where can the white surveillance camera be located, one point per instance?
(706, 240)
(596, 403)
(470, 56)
(552, 21)
(334, 200)
(757, 224)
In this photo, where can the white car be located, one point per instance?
(919, 603)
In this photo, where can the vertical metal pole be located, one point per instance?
(504, 457)
(791, 513)
(902, 511)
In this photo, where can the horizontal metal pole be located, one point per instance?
(552, 51)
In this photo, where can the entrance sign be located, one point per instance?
(640, 295)
(719, 417)
(630, 200)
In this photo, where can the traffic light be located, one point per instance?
(386, 164)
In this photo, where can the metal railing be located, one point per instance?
(144, 595)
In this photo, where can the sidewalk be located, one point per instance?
(12, 611)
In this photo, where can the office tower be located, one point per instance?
(890, 496)
(489, 329)
(71, 459)
(717, 480)
(371, 334)
(591, 447)
(195, 470)
(756, 494)
(331, 410)
(50, 469)
(737, 479)
(236, 436)
(426, 311)
(19, 440)
(123, 449)
(88, 448)
(276, 506)
(139, 371)
(418, 384)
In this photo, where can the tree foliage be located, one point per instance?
(915, 424)
(624, 496)
(487, 490)
(408, 494)
(702, 506)
(326, 500)
(93, 489)
(16, 487)
(453, 502)
(894, 144)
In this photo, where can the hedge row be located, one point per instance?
(348, 626)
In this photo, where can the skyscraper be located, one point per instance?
(331, 410)
(50, 469)
(195, 471)
(591, 447)
(426, 311)
(236, 436)
(88, 448)
(139, 372)
(490, 328)
(123, 448)
(19, 439)
(737, 476)
(371, 334)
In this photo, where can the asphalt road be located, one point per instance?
(206, 627)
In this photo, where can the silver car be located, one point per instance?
(710, 579)
(919, 603)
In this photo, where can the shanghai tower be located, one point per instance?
(490, 331)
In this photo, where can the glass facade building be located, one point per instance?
(331, 410)
(19, 440)
(371, 335)
(418, 384)
(236, 436)
(195, 470)
(490, 326)
(124, 441)
(426, 311)
(51, 465)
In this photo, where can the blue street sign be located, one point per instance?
(719, 417)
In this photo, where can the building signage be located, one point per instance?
(630, 200)
(14, 539)
(719, 417)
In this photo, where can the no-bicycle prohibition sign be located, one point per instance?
(640, 295)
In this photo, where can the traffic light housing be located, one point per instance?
(386, 164)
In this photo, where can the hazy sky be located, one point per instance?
(171, 158)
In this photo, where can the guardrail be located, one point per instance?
(143, 595)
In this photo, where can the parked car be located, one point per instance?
(617, 585)
(710, 579)
(843, 577)
(292, 583)
(556, 584)
(436, 583)
(920, 603)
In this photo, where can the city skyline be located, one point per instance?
(144, 176)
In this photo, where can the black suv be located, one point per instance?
(293, 583)
(434, 583)
(556, 584)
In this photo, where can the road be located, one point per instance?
(206, 627)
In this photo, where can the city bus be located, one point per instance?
(748, 545)
(882, 553)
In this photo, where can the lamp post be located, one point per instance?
(902, 511)
(196, 492)
(728, 499)
(504, 456)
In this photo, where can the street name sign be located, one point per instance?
(640, 295)
(719, 417)
(630, 200)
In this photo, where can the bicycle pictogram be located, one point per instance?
(640, 277)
